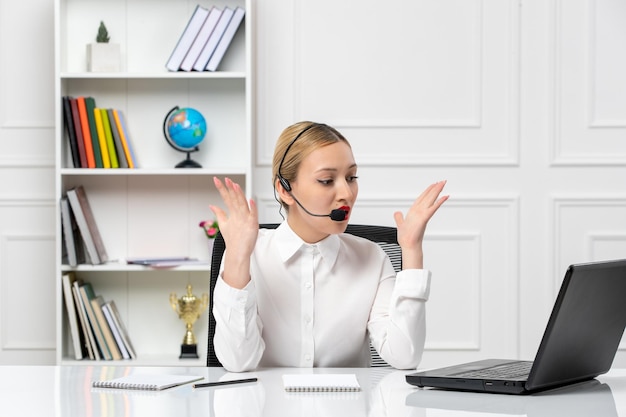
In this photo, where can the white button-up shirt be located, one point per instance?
(319, 305)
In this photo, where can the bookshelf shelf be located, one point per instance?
(241, 171)
(152, 210)
(164, 75)
(124, 267)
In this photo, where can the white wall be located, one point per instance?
(520, 105)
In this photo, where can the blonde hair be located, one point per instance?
(295, 143)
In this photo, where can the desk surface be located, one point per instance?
(66, 391)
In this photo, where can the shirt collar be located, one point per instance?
(289, 244)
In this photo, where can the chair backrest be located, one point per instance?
(384, 236)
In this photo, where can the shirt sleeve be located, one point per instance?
(398, 321)
(237, 341)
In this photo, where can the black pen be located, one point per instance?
(215, 384)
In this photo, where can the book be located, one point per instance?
(124, 139)
(84, 124)
(71, 235)
(186, 39)
(96, 304)
(102, 140)
(226, 39)
(69, 128)
(150, 382)
(89, 339)
(126, 133)
(214, 39)
(201, 40)
(87, 225)
(106, 124)
(87, 294)
(72, 314)
(320, 382)
(119, 330)
(90, 105)
(78, 132)
(119, 148)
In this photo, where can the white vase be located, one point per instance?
(103, 57)
(211, 242)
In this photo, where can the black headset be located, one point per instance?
(284, 181)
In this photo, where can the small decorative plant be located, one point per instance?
(103, 34)
(210, 228)
(103, 56)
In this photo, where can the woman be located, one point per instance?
(306, 294)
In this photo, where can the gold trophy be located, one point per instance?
(189, 308)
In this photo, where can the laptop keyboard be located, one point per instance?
(506, 371)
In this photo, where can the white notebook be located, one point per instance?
(320, 382)
(149, 382)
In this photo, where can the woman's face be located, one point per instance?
(326, 181)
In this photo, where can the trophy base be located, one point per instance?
(188, 352)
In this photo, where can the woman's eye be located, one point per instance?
(325, 182)
(352, 178)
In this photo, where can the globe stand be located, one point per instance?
(188, 162)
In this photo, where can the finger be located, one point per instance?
(220, 214)
(432, 192)
(232, 195)
(399, 218)
(254, 210)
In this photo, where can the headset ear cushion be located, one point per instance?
(285, 183)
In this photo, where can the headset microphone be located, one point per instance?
(337, 215)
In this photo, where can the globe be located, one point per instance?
(184, 129)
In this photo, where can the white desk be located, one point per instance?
(64, 391)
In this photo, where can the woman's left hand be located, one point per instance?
(411, 228)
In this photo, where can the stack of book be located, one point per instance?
(81, 236)
(206, 38)
(96, 326)
(98, 137)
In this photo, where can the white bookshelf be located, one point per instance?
(153, 210)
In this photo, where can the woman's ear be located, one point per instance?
(283, 194)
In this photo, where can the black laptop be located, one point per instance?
(579, 343)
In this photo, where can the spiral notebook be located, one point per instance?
(321, 383)
(148, 382)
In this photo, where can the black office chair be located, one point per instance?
(385, 236)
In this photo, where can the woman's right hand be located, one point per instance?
(239, 227)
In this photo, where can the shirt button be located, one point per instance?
(307, 357)
(307, 319)
(308, 285)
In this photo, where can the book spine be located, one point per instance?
(90, 104)
(117, 317)
(122, 139)
(90, 341)
(201, 39)
(214, 39)
(106, 124)
(125, 132)
(87, 294)
(106, 161)
(81, 221)
(84, 124)
(71, 135)
(189, 35)
(226, 39)
(68, 232)
(119, 149)
(91, 223)
(78, 131)
(107, 334)
(115, 331)
(70, 307)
